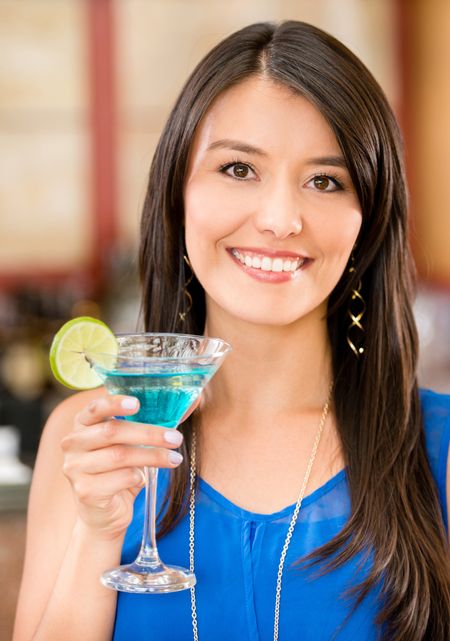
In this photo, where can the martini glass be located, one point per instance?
(167, 373)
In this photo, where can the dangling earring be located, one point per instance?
(356, 315)
(182, 315)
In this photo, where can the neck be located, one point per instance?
(272, 370)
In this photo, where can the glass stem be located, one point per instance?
(148, 554)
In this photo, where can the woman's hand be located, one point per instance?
(103, 458)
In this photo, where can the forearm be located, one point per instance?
(80, 607)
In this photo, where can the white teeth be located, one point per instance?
(277, 265)
(269, 264)
(266, 264)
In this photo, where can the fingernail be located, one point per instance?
(173, 436)
(129, 403)
(175, 458)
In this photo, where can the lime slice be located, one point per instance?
(67, 353)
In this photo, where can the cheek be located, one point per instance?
(340, 234)
(210, 213)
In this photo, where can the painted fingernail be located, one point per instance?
(175, 458)
(173, 436)
(129, 403)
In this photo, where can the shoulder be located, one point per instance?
(436, 422)
(48, 477)
(435, 401)
(58, 425)
(60, 420)
(50, 493)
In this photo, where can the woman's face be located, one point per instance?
(271, 215)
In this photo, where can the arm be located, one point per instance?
(81, 502)
(448, 491)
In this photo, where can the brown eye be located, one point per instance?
(240, 170)
(322, 183)
(325, 184)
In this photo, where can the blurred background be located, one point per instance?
(85, 88)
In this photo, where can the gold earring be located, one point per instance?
(356, 315)
(182, 315)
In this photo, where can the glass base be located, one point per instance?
(143, 579)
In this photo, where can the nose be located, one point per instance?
(279, 211)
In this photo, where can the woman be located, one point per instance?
(279, 176)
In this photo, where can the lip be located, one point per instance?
(270, 277)
(271, 253)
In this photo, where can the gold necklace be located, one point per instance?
(192, 479)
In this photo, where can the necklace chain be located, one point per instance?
(192, 480)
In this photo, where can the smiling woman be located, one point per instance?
(311, 502)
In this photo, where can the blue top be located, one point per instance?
(236, 560)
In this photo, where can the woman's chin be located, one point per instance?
(264, 316)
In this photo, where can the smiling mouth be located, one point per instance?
(269, 264)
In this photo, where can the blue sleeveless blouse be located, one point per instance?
(236, 561)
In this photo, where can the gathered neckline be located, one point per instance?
(248, 515)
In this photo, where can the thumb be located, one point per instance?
(135, 489)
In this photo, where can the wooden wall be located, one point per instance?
(427, 104)
(54, 210)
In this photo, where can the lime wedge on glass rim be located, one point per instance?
(71, 343)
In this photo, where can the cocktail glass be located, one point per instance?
(167, 373)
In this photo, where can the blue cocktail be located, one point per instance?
(167, 373)
(164, 397)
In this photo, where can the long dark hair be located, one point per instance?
(395, 510)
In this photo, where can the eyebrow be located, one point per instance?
(237, 145)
